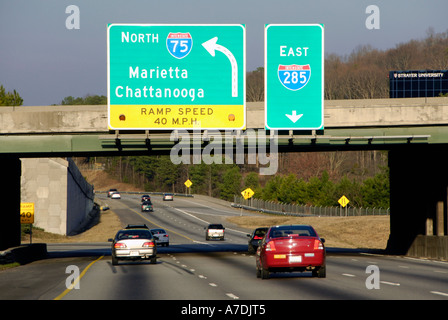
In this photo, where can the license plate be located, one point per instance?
(134, 253)
(279, 256)
(295, 259)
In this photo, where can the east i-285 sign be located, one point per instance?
(176, 76)
(294, 76)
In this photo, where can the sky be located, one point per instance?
(44, 61)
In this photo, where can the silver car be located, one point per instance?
(167, 197)
(162, 238)
(133, 244)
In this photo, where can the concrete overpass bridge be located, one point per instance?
(414, 131)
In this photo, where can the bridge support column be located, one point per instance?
(10, 207)
(418, 196)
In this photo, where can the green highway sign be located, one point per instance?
(294, 76)
(176, 76)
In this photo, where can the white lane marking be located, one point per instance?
(390, 283)
(439, 293)
(348, 275)
(232, 296)
(206, 222)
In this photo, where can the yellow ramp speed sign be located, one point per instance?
(27, 212)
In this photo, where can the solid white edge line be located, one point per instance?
(439, 293)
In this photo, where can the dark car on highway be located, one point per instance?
(147, 206)
(288, 248)
(110, 192)
(255, 237)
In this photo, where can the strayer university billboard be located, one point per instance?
(418, 83)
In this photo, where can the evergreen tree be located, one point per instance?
(9, 98)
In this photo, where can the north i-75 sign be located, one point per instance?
(176, 76)
(294, 76)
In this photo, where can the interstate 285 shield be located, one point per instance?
(179, 44)
(294, 77)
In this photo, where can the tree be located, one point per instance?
(292, 190)
(255, 85)
(321, 191)
(167, 173)
(87, 100)
(252, 181)
(376, 190)
(9, 98)
(231, 183)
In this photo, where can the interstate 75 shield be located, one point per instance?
(179, 44)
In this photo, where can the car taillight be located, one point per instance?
(119, 245)
(257, 238)
(318, 245)
(270, 246)
(148, 244)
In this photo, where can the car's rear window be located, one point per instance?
(134, 234)
(215, 226)
(286, 231)
(260, 232)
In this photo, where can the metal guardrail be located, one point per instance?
(304, 211)
(150, 193)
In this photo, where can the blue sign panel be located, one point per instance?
(418, 83)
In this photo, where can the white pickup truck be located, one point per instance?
(214, 231)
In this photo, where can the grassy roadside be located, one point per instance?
(370, 232)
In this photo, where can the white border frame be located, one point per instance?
(265, 77)
(243, 26)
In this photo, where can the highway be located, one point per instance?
(193, 269)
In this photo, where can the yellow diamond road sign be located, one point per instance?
(188, 183)
(343, 201)
(247, 193)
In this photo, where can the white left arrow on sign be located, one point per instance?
(294, 116)
(211, 45)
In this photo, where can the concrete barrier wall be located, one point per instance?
(430, 247)
(44, 182)
(337, 113)
(61, 196)
(80, 201)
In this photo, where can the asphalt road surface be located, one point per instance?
(193, 269)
